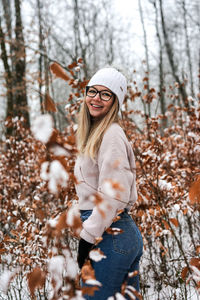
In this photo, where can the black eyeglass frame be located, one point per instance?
(99, 92)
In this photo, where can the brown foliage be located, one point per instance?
(36, 279)
(49, 104)
(194, 192)
(37, 224)
(58, 71)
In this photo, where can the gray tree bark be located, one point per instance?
(187, 44)
(169, 50)
(146, 52)
(20, 99)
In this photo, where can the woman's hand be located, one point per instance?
(83, 252)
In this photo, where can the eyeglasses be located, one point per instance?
(104, 95)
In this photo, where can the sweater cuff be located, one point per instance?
(87, 237)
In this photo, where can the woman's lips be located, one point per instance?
(96, 106)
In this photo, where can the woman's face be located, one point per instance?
(98, 108)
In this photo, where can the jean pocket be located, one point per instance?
(127, 241)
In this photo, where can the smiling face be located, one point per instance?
(97, 107)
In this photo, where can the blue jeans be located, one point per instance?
(123, 252)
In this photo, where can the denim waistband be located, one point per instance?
(82, 211)
(86, 213)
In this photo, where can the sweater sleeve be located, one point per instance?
(114, 185)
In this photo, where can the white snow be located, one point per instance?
(197, 148)
(72, 213)
(129, 291)
(71, 267)
(53, 222)
(93, 282)
(59, 151)
(116, 230)
(150, 153)
(164, 185)
(42, 128)
(177, 207)
(166, 232)
(5, 280)
(96, 255)
(192, 134)
(118, 296)
(57, 175)
(56, 268)
(78, 296)
(75, 127)
(43, 173)
(108, 189)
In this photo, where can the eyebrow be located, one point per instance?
(100, 90)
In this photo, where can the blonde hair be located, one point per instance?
(90, 135)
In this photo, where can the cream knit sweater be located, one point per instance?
(111, 176)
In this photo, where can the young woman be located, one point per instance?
(105, 171)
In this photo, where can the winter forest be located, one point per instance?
(48, 51)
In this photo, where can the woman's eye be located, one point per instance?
(106, 94)
(92, 91)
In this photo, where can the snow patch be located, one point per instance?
(96, 255)
(5, 280)
(164, 185)
(42, 128)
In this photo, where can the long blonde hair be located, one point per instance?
(90, 135)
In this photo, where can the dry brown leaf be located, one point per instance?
(36, 279)
(195, 261)
(117, 218)
(98, 200)
(76, 227)
(80, 60)
(151, 211)
(87, 272)
(138, 295)
(184, 273)
(72, 65)
(185, 211)
(57, 70)
(194, 192)
(49, 104)
(174, 222)
(98, 240)
(89, 290)
(114, 231)
(166, 225)
(198, 249)
(61, 222)
(133, 274)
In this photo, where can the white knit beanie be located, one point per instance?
(113, 80)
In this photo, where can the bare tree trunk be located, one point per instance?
(108, 41)
(146, 51)
(95, 63)
(78, 42)
(171, 58)
(21, 107)
(199, 70)
(8, 20)
(8, 73)
(161, 76)
(41, 48)
(188, 48)
(76, 26)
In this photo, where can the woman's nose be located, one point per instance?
(97, 97)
